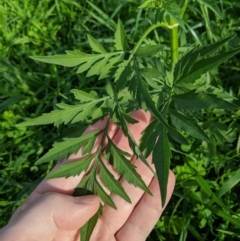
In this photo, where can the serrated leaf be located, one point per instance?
(87, 229)
(161, 159)
(129, 119)
(111, 183)
(104, 196)
(135, 148)
(153, 77)
(74, 168)
(149, 137)
(97, 67)
(95, 45)
(177, 136)
(195, 101)
(202, 66)
(148, 50)
(57, 116)
(123, 74)
(89, 146)
(185, 64)
(212, 48)
(182, 122)
(67, 114)
(65, 148)
(82, 96)
(110, 89)
(94, 63)
(147, 103)
(108, 67)
(120, 37)
(70, 59)
(82, 188)
(99, 112)
(213, 6)
(125, 168)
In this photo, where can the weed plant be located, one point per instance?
(205, 204)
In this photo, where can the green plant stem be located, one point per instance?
(149, 30)
(174, 41)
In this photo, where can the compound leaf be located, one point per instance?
(193, 100)
(111, 183)
(74, 168)
(125, 168)
(202, 66)
(182, 122)
(67, 147)
(185, 64)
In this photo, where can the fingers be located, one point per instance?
(54, 216)
(124, 208)
(63, 185)
(146, 213)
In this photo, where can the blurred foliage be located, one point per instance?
(29, 88)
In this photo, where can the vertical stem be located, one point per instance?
(174, 41)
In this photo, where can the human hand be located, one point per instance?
(50, 213)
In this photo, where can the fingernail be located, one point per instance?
(89, 199)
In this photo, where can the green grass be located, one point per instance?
(29, 88)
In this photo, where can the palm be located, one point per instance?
(128, 221)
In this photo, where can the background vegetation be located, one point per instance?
(29, 88)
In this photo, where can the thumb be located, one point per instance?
(54, 212)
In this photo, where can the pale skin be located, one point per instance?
(51, 214)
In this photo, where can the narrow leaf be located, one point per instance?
(147, 103)
(89, 146)
(205, 187)
(148, 50)
(123, 74)
(87, 229)
(213, 6)
(149, 137)
(161, 159)
(229, 184)
(177, 136)
(74, 168)
(82, 96)
(125, 168)
(182, 122)
(95, 45)
(104, 196)
(111, 183)
(120, 37)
